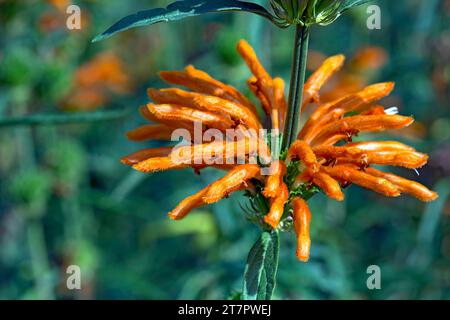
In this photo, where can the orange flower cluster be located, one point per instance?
(316, 155)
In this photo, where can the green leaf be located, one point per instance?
(348, 4)
(183, 9)
(261, 269)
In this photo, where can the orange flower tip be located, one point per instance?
(303, 250)
(271, 222)
(301, 257)
(269, 193)
(337, 60)
(173, 216)
(241, 44)
(430, 196)
(390, 86)
(127, 161)
(407, 121)
(131, 135)
(339, 197)
(151, 92)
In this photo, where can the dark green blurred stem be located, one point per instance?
(63, 118)
(296, 85)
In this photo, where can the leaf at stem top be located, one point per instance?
(261, 269)
(348, 4)
(184, 9)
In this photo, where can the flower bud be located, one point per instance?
(308, 12)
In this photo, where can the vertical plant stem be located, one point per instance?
(296, 85)
(39, 261)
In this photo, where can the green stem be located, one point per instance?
(63, 118)
(296, 86)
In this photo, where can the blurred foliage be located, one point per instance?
(66, 199)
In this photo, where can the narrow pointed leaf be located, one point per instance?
(183, 9)
(261, 269)
(348, 4)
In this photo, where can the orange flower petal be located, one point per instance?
(413, 188)
(187, 205)
(150, 132)
(236, 94)
(201, 82)
(279, 109)
(390, 153)
(277, 206)
(264, 81)
(349, 174)
(355, 124)
(145, 154)
(222, 151)
(328, 112)
(249, 55)
(158, 164)
(234, 180)
(169, 112)
(207, 103)
(406, 159)
(253, 85)
(302, 221)
(328, 185)
(275, 179)
(303, 151)
(320, 77)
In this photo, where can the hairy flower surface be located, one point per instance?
(322, 158)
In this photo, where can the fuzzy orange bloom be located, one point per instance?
(201, 82)
(313, 162)
(302, 221)
(404, 185)
(206, 103)
(328, 185)
(269, 91)
(348, 174)
(320, 77)
(304, 152)
(150, 132)
(334, 110)
(274, 180)
(277, 206)
(234, 180)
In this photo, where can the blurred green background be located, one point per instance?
(66, 199)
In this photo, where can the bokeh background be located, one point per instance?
(65, 198)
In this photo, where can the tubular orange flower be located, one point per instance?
(305, 154)
(274, 180)
(234, 180)
(334, 110)
(328, 185)
(169, 112)
(312, 162)
(201, 82)
(268, 90)
(348, 174)
(277, 206)
(150, 132)
(206, 103)
(404, 185)
(302, 220)
(320, 77)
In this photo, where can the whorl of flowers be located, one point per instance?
(322, 158)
